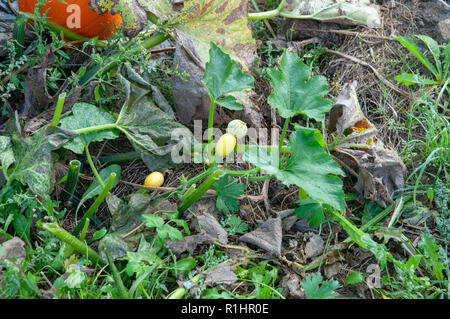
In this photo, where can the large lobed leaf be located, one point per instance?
(295, 92)
(6, 152)
(308, 167)
(222, 75)
(34, 160)
(87, 115)
(148, 128)
(339, 11)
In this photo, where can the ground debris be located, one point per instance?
(267, 236)
(13, 248)
(379, 169)
(291, 286)
(314, 246)
(222, 274)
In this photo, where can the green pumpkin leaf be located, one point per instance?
(147, 127)
(34, 158)
(311, 210)
(295, 92)
(229, 102)
(222, 75)
(6, 152)
(308, 167)
(87, 115)
(152, 221)
(228, 190)
(359, 12)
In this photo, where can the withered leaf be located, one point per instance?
(380, 170)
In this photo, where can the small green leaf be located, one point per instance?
(229, 102)
(223, 75)
(433, 255)
(234, 225)
(378, 250)
(151, 220)
(184, 266)
(355, 277)
(312, 210)
(87, 115)
(295, 91)
(99, 234)
(22, 226)
(172, 232)
(228, 190)
(315, 290)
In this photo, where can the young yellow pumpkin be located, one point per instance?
(226, 144)
(154, 179)
(238, 128)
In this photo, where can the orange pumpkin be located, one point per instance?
(77, 17)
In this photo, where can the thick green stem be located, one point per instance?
(283, 134)
(58, 109)
(123, 293)
(84, 231)
(70, 240)
(193, 180)
(263, 15)
(268, 14)
(255, 170)
(255, 5)
(200, 191)
(94, 170)
(155, 40)
(69, 35)
(93, 209)
(96, 128)
(72, 180)
(210, 131)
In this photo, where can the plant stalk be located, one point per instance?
(283, 134)
(94, 170)
(210, 131)
(72, 180)
(70, 240)
(93, 209)
(58, 109)
(200, 191)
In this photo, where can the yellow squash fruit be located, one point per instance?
(238, 128)
(154, 179)
(226, 144)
